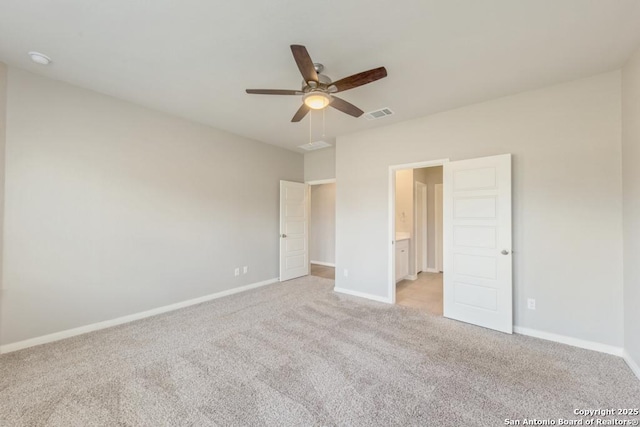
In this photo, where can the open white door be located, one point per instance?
(294, 230)
(477, 242)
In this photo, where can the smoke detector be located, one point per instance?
(40, 58)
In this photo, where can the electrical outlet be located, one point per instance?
(346, 273)
(245, 269)
(531, 304)
(237, 271)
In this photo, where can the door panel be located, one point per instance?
(477, 230)
(476, 296)
(294, 230)
(474, 179)
(474, 236)
(474, 207)
(475, 266)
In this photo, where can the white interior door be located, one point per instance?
(420, 216)
(294, 230)
(438, 244)
(477, 242)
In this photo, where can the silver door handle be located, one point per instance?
(283, 236)
(505, 252)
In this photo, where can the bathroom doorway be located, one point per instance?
(476, 258)
(418, 238)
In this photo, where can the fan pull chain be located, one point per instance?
(323, 123)
(310, 127)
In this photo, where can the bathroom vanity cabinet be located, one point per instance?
(402, 259)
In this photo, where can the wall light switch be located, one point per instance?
(245, 269)
(531, 304)
(346, 273)
(237, 271)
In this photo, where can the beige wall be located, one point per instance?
(3, 112)
(404, 201)
(404, 211)
(631, 204)
(113, 209)
(322, 244)
(567, 199)
(430, 177)
(320, 164)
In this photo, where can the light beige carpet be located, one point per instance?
(298, 354)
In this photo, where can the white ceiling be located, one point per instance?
(194, 58)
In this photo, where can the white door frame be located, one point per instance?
(321, 181)
(391, 279)
(420, 188)
(310, 183)
(437, 227)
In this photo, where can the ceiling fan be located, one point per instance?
(318, 90)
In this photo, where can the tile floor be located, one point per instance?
(323, 271)
(425, 293)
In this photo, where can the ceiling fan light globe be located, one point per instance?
(316, 100)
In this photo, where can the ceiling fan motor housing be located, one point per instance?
(323, 83)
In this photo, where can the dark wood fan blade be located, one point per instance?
(302, 111)
(304, 62)
(346, 107)
(360, 79)
(274, 92)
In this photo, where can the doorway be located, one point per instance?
(476, 239)
(418, 217)
(322, 228)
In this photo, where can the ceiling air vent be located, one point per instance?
(378, 114)
(315, 145)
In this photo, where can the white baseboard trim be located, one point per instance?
(575, 342)
(635, 368)
(432, 270)
(57, 336)
(326, 264)
(411, 277)
(362, 295)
